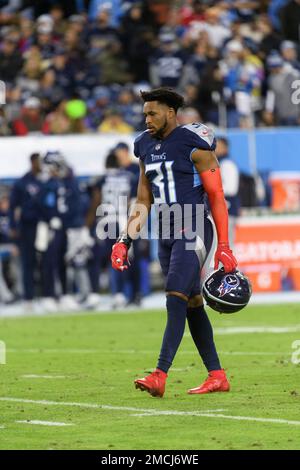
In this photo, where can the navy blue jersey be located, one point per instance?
(117, 187)
(168, 164)
(134, 169)
(24, 197)
(115, 184)
(4, 227)
(60, 197)
(169, 167)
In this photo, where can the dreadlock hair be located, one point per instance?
(164, 95)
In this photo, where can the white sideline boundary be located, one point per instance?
(152, 302)
(138, 412)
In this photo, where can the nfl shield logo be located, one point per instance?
(157, 147)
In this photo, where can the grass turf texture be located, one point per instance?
(101, 355)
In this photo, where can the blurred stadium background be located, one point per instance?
(71, 73)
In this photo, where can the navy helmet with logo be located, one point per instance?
(55, 160)
(227, 292)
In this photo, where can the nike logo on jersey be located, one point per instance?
(225, 254)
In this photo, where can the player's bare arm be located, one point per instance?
(136, 221)
(207, 166)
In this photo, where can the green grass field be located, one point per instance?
(91, 360)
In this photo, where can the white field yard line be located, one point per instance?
(228, 353)
(44, 423)
(53, 351)
(152, 412)
(86, 405)
(34, 376)
(237, 330)
(140, 351)
(220, 416)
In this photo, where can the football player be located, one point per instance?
(23, 218)
(61, 235)
(108, 191)
(178, 166)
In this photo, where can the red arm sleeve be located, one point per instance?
(212, 183)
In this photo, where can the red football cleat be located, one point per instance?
(215, 382)
(154, 383)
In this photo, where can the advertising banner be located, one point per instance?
(268, 251)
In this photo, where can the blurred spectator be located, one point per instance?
(32, 119)
(102, 27)
(217, 33)
(11, 61)
(114, 68)
(193, 13)
(113, 6)
(280, 109)
(289, 54)
(243, 75)
(28, 79)
(195, 65)
(114, 123)
(273, 10)
(98, 105)
(167, 63)
(157, 12)
(49, 92)
(44, 39)
(27, 33)
(131, 108)
(139, 40)
(290, 20)
(13, 103)
(270, 38)
(62, 69)
(4, 124)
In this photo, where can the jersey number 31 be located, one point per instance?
(163, 179)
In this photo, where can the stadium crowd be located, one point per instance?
(78, 66)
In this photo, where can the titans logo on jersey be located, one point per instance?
(168, 164)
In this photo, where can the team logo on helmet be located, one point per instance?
(228, 283)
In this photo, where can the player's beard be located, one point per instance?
(159, 134)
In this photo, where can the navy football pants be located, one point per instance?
(181, 266)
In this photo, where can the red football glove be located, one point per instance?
(225, 256)
(119, 256)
